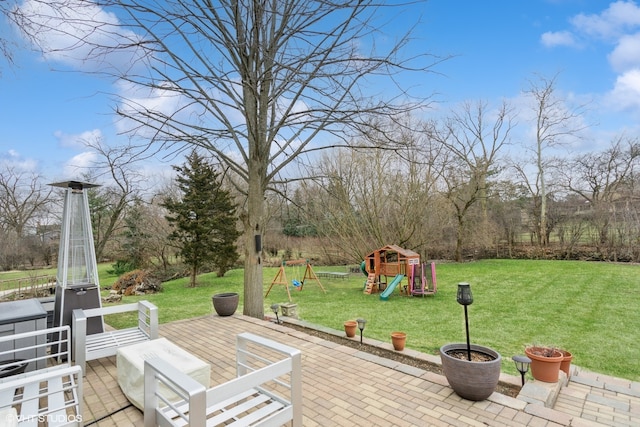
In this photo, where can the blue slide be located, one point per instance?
(387, 292)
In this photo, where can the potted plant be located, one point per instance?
(398, 339)
(473, 371)
(225, 304)
(565, 366)
(350, 328)
(545, 362)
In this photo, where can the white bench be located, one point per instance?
(49, 396)
(266, 392)
(104, 344)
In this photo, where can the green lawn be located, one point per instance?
(590, 309)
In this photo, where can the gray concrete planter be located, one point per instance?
(225, 304)
(470, 379)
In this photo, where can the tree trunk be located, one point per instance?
(459, 238)
(253, 220)
(194, 274)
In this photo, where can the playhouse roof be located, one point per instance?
(407, 253)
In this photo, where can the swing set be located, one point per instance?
(281, 277)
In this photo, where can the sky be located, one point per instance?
(496, 48)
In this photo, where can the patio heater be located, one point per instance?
(77, 277)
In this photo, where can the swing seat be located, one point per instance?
(296, 283)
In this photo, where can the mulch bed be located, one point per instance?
(502, 388)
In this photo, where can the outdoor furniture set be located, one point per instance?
(168, 383)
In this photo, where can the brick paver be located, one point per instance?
(346, 387)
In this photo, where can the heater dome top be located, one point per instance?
(76, 185)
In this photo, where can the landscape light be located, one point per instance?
(275, 308)
(465, 298)
(361, 323)
(522, 365)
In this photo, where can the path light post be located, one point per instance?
(361, 323)
(465, 298)
(275, 308)
(522, 365)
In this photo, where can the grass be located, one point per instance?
(589, 309)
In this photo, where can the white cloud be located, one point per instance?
(626, 54)
(618, 18)
(12, 159)
(78, 140)
(79, 164)
(136, 99)
(79, 34)
(558, 38)
(626, 92)
(617, 26)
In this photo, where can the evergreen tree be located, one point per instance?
(135, 237)
(204, 219)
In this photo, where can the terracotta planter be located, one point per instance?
(398, 339)
(544, 368)
(471, 380)
(225, 304)
(565, 365)
(350, 327)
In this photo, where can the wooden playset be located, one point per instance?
(392, 261)
(281, 276)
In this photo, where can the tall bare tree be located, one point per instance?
(258, 83)
(555, 124)
(473, 137)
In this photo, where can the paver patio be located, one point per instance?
(343, 386)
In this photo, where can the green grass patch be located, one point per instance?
(590, 309)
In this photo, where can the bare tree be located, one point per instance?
(6, 45)
(116, 170)
(255, 83)
(369, 198)
(156, 226)
(601, 179)
(555, 124)
(23, 199)
(472, 139)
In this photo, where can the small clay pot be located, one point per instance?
(398, 339)
(350, 327)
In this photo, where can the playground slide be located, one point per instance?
(363, 268)
(391, 286)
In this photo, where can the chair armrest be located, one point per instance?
(158, 371)
(148, 305)
(79, 337)
(41, 375)
(292, 355)
(153, 318)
